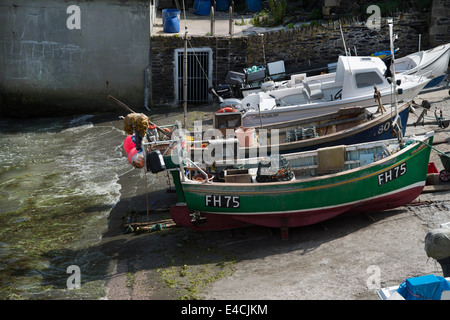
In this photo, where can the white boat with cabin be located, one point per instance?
(351, 85)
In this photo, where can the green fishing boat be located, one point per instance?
(300, 189)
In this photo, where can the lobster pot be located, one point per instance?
(155, 162)
(300, 134)
(276, 168)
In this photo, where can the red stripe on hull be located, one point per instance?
(180, 214)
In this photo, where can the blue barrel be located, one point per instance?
(172, 24)
(253, 5)
(202, 7)
(169, 13)
(222, 5)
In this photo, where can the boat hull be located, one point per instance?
(386, 184)
(435, 82)
(434, 61)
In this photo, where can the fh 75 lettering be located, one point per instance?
(222, 201)
(391, 174)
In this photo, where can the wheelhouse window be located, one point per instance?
(367, 79)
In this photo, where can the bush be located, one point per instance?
(277, 10)
(316, 14)
(273, 18)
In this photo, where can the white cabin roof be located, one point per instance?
(357, 64)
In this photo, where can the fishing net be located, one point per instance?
(137, 122)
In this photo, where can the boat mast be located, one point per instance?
(185, 67)
(396, 121)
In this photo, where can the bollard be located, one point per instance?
(231, 31)
(213, 21)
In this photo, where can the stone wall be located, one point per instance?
(440, 22)
(299, 46)
(322, 44)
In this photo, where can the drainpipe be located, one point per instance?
(147, 82)
(147, 70)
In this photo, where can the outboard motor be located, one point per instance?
(224, 91)
(234, 82)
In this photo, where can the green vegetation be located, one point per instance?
(277, 10)
(273, 17)
(240, 23)
(192, 266)
(316, 14)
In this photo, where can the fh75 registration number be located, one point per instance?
(222, 201)
(392, 174)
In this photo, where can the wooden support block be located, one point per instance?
(284, 233)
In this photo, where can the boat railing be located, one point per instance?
(166, 144)
(198, 168)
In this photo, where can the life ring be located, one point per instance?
(201, 178)
(226, 109)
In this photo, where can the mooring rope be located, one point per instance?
(433, 148)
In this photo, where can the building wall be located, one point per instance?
(48, 69)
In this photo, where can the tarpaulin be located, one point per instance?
(427, 287)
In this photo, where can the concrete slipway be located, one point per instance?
(349, 257)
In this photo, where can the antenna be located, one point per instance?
(343, 40)
(345, 47)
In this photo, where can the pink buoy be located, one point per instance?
(131, 154)
(128, 144)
